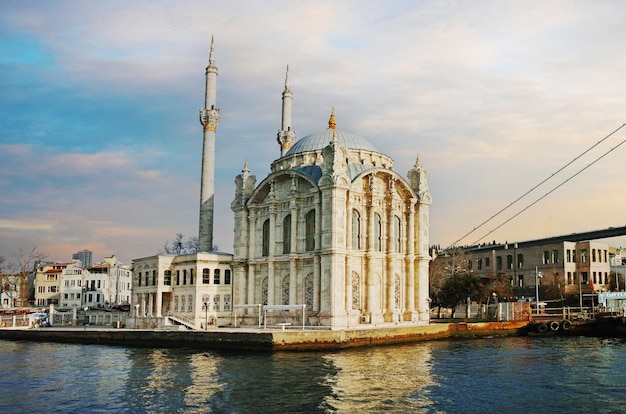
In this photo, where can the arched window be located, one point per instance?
(216, 277)
(287, 234)
(227, 277)
(205, 276)
(397, 236)
(356, 230)
(310, 231)
(266, 238)
(378, 225)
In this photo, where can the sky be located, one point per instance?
(100, 141)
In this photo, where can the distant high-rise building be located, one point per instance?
(85, 257)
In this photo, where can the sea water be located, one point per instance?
(499, 375)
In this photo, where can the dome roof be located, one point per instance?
(319, 140)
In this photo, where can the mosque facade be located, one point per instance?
(332, 237)
(333, 229)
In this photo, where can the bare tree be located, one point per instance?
(16, 282)
(181, 246)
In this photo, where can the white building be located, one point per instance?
(102, 285)
(192, 288)
(333, 229)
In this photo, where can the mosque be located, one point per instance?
(332, 237)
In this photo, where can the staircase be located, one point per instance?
(183, 320)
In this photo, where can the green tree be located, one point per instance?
(442, 267)
(457, 288)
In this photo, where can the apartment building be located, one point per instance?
(576, 265)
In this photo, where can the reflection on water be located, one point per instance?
(205, 382)
(390, 379)
(512, 375)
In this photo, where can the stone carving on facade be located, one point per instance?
(210, 118)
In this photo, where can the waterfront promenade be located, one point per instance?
(270, 339)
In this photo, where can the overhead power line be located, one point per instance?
(538, 185)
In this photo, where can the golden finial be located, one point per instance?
(332, 124)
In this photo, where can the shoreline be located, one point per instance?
(271, 339)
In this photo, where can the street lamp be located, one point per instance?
(86, 321)
(538, 276)
(206, 315)
(136, 314)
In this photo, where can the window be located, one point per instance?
(487, 261)
(154, 277)
(266, 238)
(593, 256)
(226, 279)
(190, 303)
(310, 231)
(569, 256)
(555, 256)
(520, 280)
(377, 233)
(167, 278)
(509, 261)
(191, 276)
(356, 230)
(216, 277)
(546, 257)
(520, 260)
(499, 262)
(205, 276)
(479, 263)
(182, 303)
(227, 302)
(178, 277)
(147, 278)
(287, 234)
(574, 256)
(216, 302)
(184, 276)
(139, 279)
(583, 256)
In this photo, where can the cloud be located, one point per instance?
(101, 142)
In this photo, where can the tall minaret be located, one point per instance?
(209, 118)
(286, 136)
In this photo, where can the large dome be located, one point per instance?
(320, 140)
